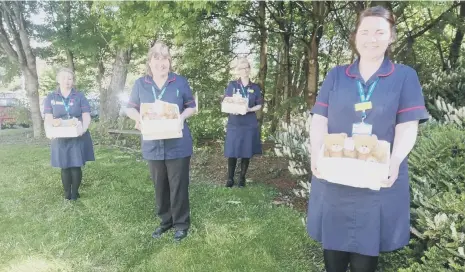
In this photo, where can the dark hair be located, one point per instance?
(377, 11)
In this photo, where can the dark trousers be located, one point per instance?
(71, 179)
(171, 181)
(338, 261)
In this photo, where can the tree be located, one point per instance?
(14, 41)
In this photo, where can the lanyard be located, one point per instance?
(161, 94)
(244, 93)
(363, 98)
(66, 104)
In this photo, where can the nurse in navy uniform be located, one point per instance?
(373, 95)
(69, 154)
(242, 131)
(168, 160)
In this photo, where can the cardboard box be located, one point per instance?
(160, 121)
(355, 172)
(235, 105)
(71, 128)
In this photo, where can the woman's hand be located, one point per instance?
(393, 174)
(313, 165)
(137, 125)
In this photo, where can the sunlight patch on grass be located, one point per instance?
(37, 264)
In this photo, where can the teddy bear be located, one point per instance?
(349, 149)
(365, 145)
(334, 144)
(378, 154)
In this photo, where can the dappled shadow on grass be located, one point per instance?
(109, 228)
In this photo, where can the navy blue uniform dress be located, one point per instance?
(176, 91)
(69, 152)
(354, 219)
(242, 133)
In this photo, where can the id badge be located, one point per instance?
(361, 129)
(363, 106)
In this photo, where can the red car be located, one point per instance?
(6, 105)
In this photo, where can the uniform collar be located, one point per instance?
(386, 69)
(171, 78)
(239, 81)
(72, 93)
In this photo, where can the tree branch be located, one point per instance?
(5, 43)
(425, 29)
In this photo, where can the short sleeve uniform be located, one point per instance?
(69, 152)
(361, 220)
(177, 91)
(242, 133)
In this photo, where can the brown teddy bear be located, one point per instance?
(364, 145)
(334, 144)
(379, 154)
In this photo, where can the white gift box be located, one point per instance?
(354, 172)
(161, 129)
(239, 107)
(65, 130)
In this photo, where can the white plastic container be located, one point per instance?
(65, 130)
(355, 172)
(162, 129)
(235, 108)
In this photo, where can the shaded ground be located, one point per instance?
(267, 169)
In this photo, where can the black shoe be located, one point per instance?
(179, 235)
(241, 182)
(158, 232)
(230, 183)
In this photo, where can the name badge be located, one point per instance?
(361, 129)
(363, 106)
(55, 102)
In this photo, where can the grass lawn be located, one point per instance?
(109, 228)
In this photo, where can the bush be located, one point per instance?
(291, 142)
(437, 172)
(208, 125)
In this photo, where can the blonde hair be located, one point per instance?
(158, 49)
(236, 63)
(63, 70)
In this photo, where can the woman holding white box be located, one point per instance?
(372, 96)
(242, 132)
(169, 158)
(69, 153)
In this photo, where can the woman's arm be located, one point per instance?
(255, 108)
(404, 141)
(85, 121)
(318, 130)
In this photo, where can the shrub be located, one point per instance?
(438, 198)
(291, 142)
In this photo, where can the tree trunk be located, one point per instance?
(287, 76)
(68, 24)
(32, 86)
(313, 64)
(276, 97)
(454, 52)
(263, 58)
(11, 16)
(109, 102)
(100, 74)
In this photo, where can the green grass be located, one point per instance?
(109, 228)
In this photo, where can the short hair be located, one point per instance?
(64, 70)
(158, 49)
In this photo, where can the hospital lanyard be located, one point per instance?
(66, 104)
(363, 98)
(161, 94)
(244, 93)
